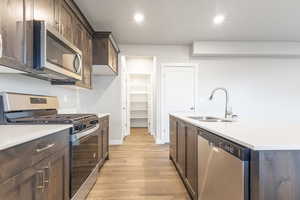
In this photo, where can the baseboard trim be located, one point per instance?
(158, 141)
(115, 142)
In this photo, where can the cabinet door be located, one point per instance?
(57, 176)
(48, 11)
(112, 57)
(78, 36)
(89, 61)
(12, 33)
(173, 139)
(105, 138)
(29, 16)
(181, 158)
(46, 180)
(100, 145)
(86, 61)
(191, 160)
(27, 185)
(66, 22)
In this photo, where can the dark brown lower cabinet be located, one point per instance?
(191, 160)
(181, 149)
(58, 177)
(183, 152)
(46, 178)
(103, 140)
(26, 185)
(173, 138)
(275, 175)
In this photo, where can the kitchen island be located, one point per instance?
(269, 156)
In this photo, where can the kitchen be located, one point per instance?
(73, 59)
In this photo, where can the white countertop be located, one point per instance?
(12, 135)
(256, 135)
(100, 115)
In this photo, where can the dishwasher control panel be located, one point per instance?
(218, 142)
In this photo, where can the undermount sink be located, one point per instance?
(210, 119)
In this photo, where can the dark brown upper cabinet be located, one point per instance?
(48, 11)
(15, 29)
(16, 35)
(105, 54)
(66, 22)
(86, 48)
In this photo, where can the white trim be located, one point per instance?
(246, 48)
(115, 142)
(126, 94)
(124, 107)
(163, 136)
(158, 141)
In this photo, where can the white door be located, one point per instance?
(178, 93)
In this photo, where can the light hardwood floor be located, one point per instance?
(139, 170)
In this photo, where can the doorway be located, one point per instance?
(138, 96)
(178, 92)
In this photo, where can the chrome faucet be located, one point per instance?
(227, 113)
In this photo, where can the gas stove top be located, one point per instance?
(53, 119)
(36, 109)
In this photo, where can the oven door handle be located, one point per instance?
(85, 133)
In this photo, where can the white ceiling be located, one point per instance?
(183, 21)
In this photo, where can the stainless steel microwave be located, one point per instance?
(55, 58)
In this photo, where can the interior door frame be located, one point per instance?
(124, 89)
(125, 95)
(164, 132)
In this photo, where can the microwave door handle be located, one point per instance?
(78, 56)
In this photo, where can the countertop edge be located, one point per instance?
(242, 143)
(101, 115)
(34, 137)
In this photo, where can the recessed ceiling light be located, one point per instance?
(139, 18)
(219, 19)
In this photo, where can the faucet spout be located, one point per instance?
(227, 98)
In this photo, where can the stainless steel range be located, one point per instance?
(35, 109)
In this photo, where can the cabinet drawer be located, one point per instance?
(16, 159)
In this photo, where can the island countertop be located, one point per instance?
(255, 135)
(13, 135)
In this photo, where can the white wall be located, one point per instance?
(104, 98)
(23, 84)
(260, 88)
(143, 65)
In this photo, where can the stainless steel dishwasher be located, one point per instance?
(223, 169)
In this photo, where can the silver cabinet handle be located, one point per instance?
(47, 174)
(40, 176)
(45, 148)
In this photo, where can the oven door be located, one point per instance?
(54, 55)
(84, 157)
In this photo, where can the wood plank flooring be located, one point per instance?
(139, 170)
